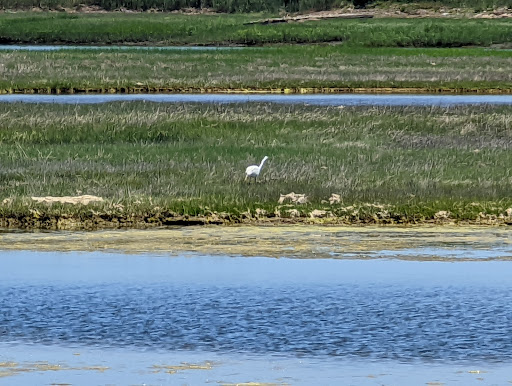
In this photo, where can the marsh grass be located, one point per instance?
(432, 69)
(179, 29)
(155, 161)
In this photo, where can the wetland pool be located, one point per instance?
(311, 99)
(56, 47)
(100, 312)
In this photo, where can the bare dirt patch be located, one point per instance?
(402, 12)
(75, 200)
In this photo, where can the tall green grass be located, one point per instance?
(191, 158)
(261, 68)
(179, 29)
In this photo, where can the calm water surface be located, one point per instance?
(286, 321)
(14, 47)
(312, 99)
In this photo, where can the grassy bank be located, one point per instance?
(160, 164)
(180, 29)
(268, 68)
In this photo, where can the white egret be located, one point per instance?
(254, 170)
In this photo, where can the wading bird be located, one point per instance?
(254, 170)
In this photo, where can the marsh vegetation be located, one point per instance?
(268, 68)
(179, 29)
(159, 163)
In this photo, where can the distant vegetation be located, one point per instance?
(179, 29)
(232, 6)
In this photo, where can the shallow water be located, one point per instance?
(98, 318)
(86, 366)
(427, 243)
(312, 99)
(28, 47)
(99, 366)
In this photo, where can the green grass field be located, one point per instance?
(266, 68)
(180, 29)
(153, 162)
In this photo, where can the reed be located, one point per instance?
(153, 162)
(267, 68)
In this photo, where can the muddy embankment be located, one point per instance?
(74, 213)
(92, 220)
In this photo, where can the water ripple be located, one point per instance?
(312, 99)
(378, 321)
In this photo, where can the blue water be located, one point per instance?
(312, 99)
(404, 311)
(383, 321)
(15, 47)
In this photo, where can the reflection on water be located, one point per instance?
(312, 99)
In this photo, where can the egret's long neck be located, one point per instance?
(262, 162)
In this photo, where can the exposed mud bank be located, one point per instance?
(101, 221)
(36, 220)
(291, 90)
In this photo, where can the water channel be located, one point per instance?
(56, 47)
(312, 99)
(285, 305)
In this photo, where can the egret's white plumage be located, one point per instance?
(254, 170)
